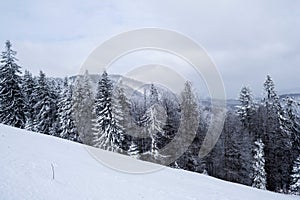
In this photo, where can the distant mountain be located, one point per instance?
(135, 88)
(295, 96)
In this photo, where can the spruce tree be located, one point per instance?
(133, 150)
(46, 115)
(55, 89)
(83, 105)
(106, 127)
(28, 86)
(153, 95)
(259, 174)
(276, 140)
(124, 104)
(247, 134)
(232, 148)
(67, 126)
(295, 177)
(154, 120)
(11, 97)
(247, 108)
(189, 123)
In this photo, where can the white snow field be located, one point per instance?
(26, 173)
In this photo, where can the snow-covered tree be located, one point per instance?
(154, 121)
(28, 86)
(232, 148)
(259, 174)
(55, 89)
(189, 123)
(11, 97)
(67, 126)
(295, 177)
(106, 127)
(83, 105)
(133, 150)
(247, 107)
(153, 95)
(276, 140)
(124, 105)
(45, 108)
(292, 124)
(246, 113)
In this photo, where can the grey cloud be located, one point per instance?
(246, 39)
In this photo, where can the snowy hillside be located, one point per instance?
(26, 173)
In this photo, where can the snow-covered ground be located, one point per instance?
(26, 173)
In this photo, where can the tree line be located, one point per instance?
(259, 145)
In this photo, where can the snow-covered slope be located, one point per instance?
(26, 173)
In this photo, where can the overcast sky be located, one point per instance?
(246, 39)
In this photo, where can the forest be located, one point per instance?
(259, 145)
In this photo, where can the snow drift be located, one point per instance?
(28, 160)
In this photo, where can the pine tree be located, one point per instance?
(189, 123)
(28, 86)
(45, 108)
(247, 108)
(107, 129)
(232, 148)
(292, 124)
(83, 105)
(122, 113)
(153, 95)
(276, 140)
(154, 120)
(246, 112)
(173, 118)
(68, 129)
(133, 150)
(55, 89)
(11, 97)
(124, 106)
(295, 184)
(259, 174)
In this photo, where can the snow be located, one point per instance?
(26, 173)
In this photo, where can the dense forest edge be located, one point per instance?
(259, 145)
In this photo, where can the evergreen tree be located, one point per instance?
(259, 174)
(121, 111)
(154, 120)
(68, 129)
(107, 129)
(28, 86)
(247, 108)
(124, 105)
(246, 112)
(188, 128)
(276, 140)
(133, 150)
(232, 148)
(11, 97)
(295, 184)
(153, 95)
(55, 90)
(292, 126)
(83, 105)
(45, 108)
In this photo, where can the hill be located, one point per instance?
(27, 158)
